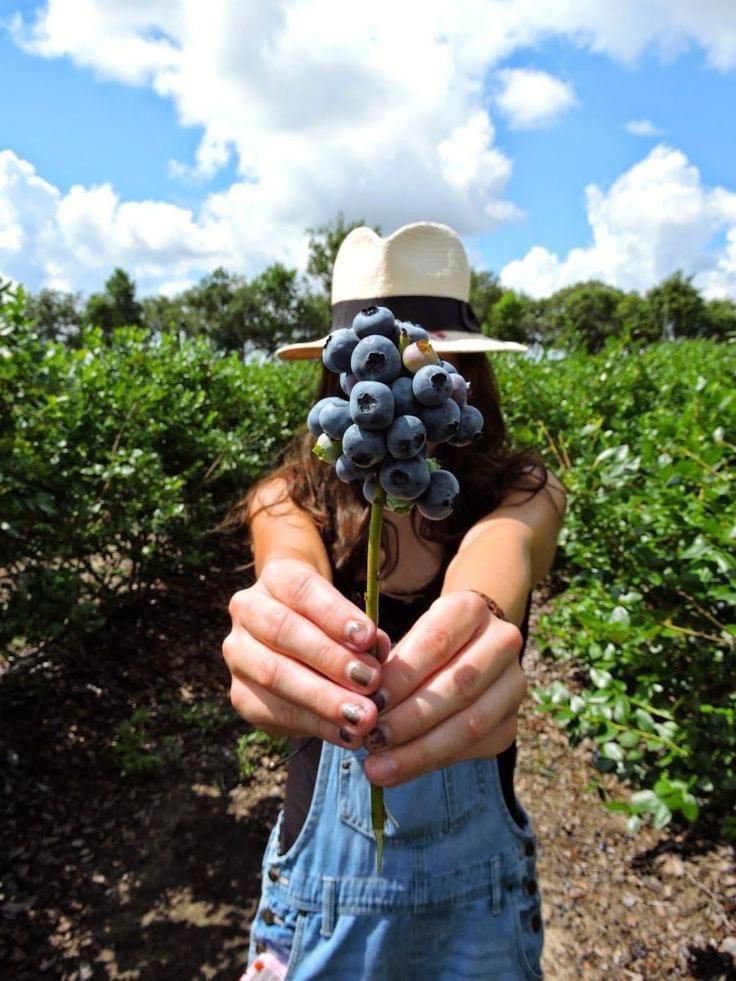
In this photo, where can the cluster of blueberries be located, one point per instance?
(400, 395)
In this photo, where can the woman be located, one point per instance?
(433, 718)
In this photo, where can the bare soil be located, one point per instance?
(155, 875)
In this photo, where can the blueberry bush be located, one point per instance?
(118, 458)
(645, 440)
(120, 454)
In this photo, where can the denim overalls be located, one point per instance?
(458, 897)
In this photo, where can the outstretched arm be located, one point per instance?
(453, 685)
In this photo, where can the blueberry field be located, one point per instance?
(120, 457)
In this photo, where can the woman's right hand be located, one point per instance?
(298, 656)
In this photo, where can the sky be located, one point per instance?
(564, 141)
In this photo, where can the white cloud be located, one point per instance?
(74, 240)
(643, 127)
(531, 99)
(655, 218)
(322, 106)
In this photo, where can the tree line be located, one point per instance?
(279, 305)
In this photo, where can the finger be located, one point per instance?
(295, 682)
(462, 736)
(383, 645)
(455, 686)
(265, 710)
(304, 590)
(448, 625)
(281, 629)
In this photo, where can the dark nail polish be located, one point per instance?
(346, 736)
(353, 713)
(375, 739)
(360, 673)
(379, 700)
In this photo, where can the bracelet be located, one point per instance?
(492, 605)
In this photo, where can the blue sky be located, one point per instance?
(135, 141)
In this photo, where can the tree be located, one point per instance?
(676, 308)
(584, 315)
(506, 319)
(720, 319)
(635, 318)
(324, 241)
(116, 306)
(57, 315)
(485, 290)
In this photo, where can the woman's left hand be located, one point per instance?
(452, 688)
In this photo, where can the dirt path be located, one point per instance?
(156, 876)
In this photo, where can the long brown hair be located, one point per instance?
(486, 470)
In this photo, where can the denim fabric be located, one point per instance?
(457, 898)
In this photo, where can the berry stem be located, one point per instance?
(378, 810)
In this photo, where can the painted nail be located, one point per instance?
(376, 739)
(345, 736)
(379, 700)
(381, 768)
(353, 713)
(360, 673)
(356, 633)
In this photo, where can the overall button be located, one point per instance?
(273, 874)
(268, 916)
(531, 886)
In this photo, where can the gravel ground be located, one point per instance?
(156, 876)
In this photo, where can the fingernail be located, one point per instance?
(353, 713)
(376, 739)
(379, 700)
(356, 633)
(381, 768)
(345, 736)
(360, 673)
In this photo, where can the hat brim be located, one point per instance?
(443, 341)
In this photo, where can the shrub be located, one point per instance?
(117, 461)
(645, 443)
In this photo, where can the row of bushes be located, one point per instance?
(645, 441)
(119, 457)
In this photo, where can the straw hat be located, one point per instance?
(421, 273)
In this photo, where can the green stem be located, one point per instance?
(378, 811)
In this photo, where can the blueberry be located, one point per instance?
(364, 447)
(369, 489)
(406, 437)
(405, 479)
(326, 449)
(440, 498)
(470, 428)
(441, 421)
(372, 405)
(347, 471)
(404, 402)
(376, 358)
(337, 350)
(431, 385)
(459, 389)
(414, 331)
(374, 320)
(335, 419)
(347, 380)
(313, 417)
(418, 354)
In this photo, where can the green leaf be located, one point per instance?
(600, 678)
